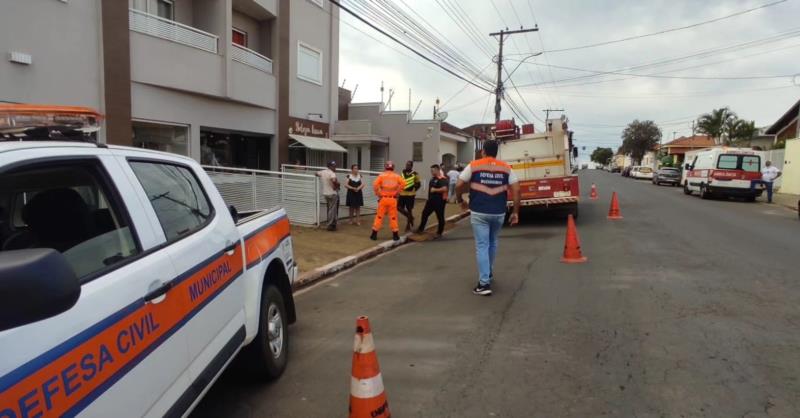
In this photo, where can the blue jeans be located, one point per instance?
(768, 185)
(486, 228)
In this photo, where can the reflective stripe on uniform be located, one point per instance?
(492, 191)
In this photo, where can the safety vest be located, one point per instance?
(489, 186)
(388, 184)
(410, 182)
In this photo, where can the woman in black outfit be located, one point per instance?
(355, 196)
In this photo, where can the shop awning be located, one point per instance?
(317, 144)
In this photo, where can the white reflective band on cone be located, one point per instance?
(366, 388)
(364, 345)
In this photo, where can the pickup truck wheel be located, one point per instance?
(686, 189)
(269, 350)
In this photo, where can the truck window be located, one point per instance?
(66, 207)
(179, 201)
(728, 162)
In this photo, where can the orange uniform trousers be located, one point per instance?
(386, 205)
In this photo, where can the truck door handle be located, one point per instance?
(158, 292)
(230, 247)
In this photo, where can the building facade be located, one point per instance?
(227, 82)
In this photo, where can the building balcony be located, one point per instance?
(170, 30)
(252, 58)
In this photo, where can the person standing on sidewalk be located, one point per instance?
(330, 190)
(488, 180)
(437, 199)
(387, 187)
(768, 175)
(452, 175)
(408, 195)
(355, 194)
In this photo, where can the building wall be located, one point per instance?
(791, 168)
(402, 133)
(448, 147)
(319, 28)
(252, 27)
(154, 104)
(66, 72)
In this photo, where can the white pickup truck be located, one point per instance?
(126, 284)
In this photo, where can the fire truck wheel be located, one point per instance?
(704, 193)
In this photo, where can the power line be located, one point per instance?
(661, 32)
(423, 56)
(679, 77)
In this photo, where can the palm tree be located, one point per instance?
(713, 124)
(741, 131)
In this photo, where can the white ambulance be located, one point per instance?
(723, 172)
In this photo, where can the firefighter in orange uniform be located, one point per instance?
(387, 187)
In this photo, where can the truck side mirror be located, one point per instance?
(575, 152)
(688, 166)
(35, 285)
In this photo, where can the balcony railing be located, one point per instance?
(252, 58)
(173, 31)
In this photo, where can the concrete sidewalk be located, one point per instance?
(788, 200)
(317, 247)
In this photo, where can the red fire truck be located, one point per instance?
(544, 162)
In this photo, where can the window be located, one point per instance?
(728, 162)
(416, 151)
(180, 203)
(67, 207)
(165, 9)
(240, 37)
(167, 138)
(751, 163)
(309, 63)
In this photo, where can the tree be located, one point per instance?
(639, 137)
(714, 124)
(740, 131)
(602, 155)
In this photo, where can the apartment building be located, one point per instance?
(239, 83)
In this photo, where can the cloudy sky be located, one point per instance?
(763, 43)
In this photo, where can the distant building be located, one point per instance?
(787, 127)
(678, 147)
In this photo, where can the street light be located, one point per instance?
(521, 62)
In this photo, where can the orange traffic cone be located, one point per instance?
(367, 397)
(613, 211)
(572, 245)
(593, 195)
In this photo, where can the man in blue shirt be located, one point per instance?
(488, 181)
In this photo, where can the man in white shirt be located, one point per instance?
(452, 175)
(330, 189)
(768, 175)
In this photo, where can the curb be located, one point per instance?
(345, 263)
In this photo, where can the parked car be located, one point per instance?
(641, 172)
(667, 175)
(128, 284)
(724, 172)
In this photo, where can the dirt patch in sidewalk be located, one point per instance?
(316, 247)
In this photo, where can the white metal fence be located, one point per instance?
(367, 177)
(252, 58)
(251, 190)
(157, 26)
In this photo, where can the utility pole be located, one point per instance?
(547, 113)
(499, 88)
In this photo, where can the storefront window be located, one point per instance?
(234, 149)
(168, 138)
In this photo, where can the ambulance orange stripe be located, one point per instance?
(68, 383)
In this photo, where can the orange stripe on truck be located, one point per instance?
(67, 378)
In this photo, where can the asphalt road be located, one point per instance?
(686, 308)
